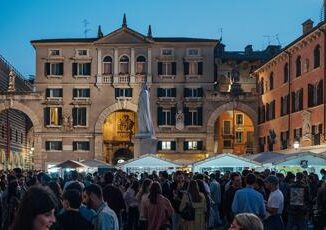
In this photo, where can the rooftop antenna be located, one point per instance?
(221, 33)
(278, 40)
(86, 30)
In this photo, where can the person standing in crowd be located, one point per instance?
(165, 184)
(132, 205)
(246, 221)
(74, 176)
(71, 218)
(235, 185)
(113, 196)
(208, 200)
(275, 205)
(198, 202)
(157, 209)
(215, 189)
(36, 210)
(249, 200)
(321, 207)
(298, 204)
(105, 218)
(141, 197)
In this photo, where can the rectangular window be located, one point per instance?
(297, 134)
(81, 93)
(227, 144)
(239, 119)
(140, 68)
(53, 145)
(83, 69)
(107, 68)
(167, 52)
(226, 127)
(79, 116)
(167, 117)
(193, 52)
(193, 68)
(192, 145)
(54, 69)
(284, 140)
(82, 52)
(54, 52)
(239, 137)
(52, 116)
(81, 146)
(123, 92)
(166, 68)
(54, 93)
(193, 92)
(166, 145)
(167, 92)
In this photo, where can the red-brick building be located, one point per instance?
(291, 87)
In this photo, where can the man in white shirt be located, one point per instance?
(275, 205)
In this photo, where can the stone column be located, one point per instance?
(98, 147)
(210, 143)
(99, 68)
(116, 62)
(132, 62)
(38, 157)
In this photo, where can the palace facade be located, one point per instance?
(85, 97)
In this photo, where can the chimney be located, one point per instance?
(307, 26)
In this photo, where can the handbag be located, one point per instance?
(188, 212)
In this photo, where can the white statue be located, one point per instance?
(145, 123)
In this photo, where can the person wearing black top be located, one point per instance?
(71, 217)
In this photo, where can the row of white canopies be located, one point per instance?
(299, 161)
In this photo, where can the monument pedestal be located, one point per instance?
(144, 144)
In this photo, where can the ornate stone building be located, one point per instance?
(84, 103)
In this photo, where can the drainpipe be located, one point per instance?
(324, 80)
(289, 93)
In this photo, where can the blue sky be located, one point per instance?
(243, 21)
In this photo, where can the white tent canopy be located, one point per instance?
(296, 159)
(225, 161)
(266, 157)
(148, 163)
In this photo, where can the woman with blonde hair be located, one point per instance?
(246, 221)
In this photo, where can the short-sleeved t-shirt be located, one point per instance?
(276, 200)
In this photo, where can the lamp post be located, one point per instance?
(296, 145)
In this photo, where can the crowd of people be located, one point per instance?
(159, 201)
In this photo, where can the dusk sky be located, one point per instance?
(243, 21)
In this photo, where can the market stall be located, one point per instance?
(266, 158)
(225, 162)
(94, 165)
(148, 163)
(67, 165)
(297, 162)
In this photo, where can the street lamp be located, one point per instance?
(296, 145)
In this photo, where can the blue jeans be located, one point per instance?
(297, 223)
(175, 221)
(274, 222)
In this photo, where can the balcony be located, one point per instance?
(214, 95)
(107, 79)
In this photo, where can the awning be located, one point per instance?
(265, 157)
(93, 163)
(70, 164)
(299, 158)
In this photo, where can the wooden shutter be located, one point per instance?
(174, 92)
(74, 92)
(288, 104)
(74, 146)
(200, 145)
(47, 145)
(200, 92)
(88, 69)
(293, 101)
(61, 68)
(74, 69)
(173, 145)
(60, 145)
(116, 92)
(159, 116)
(60, 116)
(74, 116)
(310, 95)
(267, 112)
(273, 109)
(174, 68)
(173, 115)
(186, 68)
(320, 91)
(200, 68)
(320, 128)
(263, 114)
(159, 145)
(46, 116)
(83, 116)
(159, 68)
(46, 68)
(47, 92)
(187, 117)
(282, 102)
(301, 99)
(200, 115)
(159, 92)
(186, 92)
(185, 145)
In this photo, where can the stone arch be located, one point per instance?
(230, 106)
(23, 108)
(218, 111)
(115, 107)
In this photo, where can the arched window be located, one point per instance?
(271, 81)
(124, 65)
(286, 73)
(298, 66)
(317, 56)
(107, 65)
(140, 65)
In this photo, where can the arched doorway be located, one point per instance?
(234, 133)
(16, 140)
(118, 129)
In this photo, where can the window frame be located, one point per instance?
(79, 119)
(76, 142)
(193, 55)
(230, 122)
(124, 63)
(105, 63)
(167, 55)
(50, 149)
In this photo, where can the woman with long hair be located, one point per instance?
(198, 202)
(246, 221)
(157, 209)
(132, 205)
(36, 211)
(142, 195)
